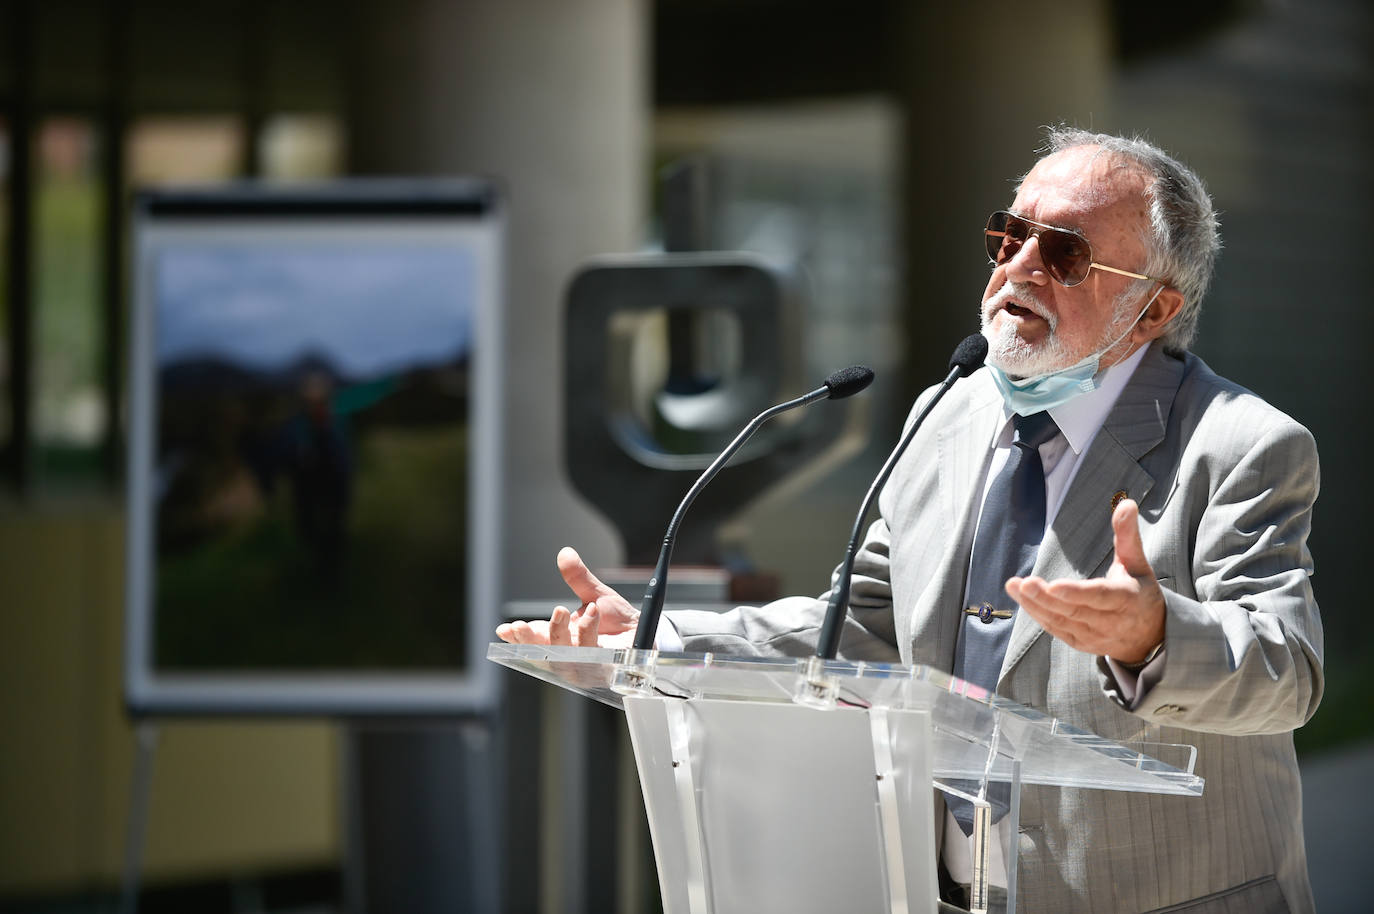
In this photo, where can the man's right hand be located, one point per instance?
(605, 618)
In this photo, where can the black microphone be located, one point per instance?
(841, 384)
(967, 358)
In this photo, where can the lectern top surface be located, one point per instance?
(976, 732)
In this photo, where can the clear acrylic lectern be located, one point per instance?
(804, 785)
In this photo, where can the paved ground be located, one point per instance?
(1338, 817)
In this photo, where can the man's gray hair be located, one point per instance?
(1184, 239)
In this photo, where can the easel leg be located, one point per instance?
(140, 794)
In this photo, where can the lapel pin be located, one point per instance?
(1117, 498)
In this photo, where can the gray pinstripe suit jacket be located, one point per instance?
(1225, 484)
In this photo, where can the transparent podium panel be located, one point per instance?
(773, 778)
(783, 807)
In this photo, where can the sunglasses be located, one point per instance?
(1067, 256)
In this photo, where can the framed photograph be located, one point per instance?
(315, 449)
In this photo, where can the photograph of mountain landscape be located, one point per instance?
(311, 466)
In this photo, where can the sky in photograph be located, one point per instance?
(367, 309)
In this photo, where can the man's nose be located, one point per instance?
(1026, 265)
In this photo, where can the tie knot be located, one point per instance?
(1034, 430)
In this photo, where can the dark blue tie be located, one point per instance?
(1009, 533)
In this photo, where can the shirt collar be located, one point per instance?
(1080, 419)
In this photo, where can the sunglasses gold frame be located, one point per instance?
(1039, 228)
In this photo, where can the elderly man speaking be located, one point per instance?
(1099, 527)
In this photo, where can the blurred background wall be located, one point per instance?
(866, 138)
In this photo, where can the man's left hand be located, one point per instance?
(1120, 615)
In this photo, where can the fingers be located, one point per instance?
(614, 613)
(588, 626)
(1130, 551)
(1034, 596)
(523, 632)
(1116, 617)
(1067, 594)
(559, 632)
(1076, 625)
(563, 628)
(579, 577)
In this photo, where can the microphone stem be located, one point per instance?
(652, 607)
(829, 642)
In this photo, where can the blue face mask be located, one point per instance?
(1031, 395)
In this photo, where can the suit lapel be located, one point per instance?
(1078, 543)
(964, 448)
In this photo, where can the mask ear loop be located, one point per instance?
(1138, 317)
(1143, 311)
(1112, 345)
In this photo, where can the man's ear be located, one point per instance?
(1167, 305)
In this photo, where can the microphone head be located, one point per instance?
(848, 381)
(969, 355)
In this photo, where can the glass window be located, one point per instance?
(6, 420)
(196, 149)
(294, 147)
(69, 414)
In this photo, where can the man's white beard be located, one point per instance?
(1020, 359)
(1015, 356)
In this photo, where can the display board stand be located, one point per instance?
(785, 784)
(136, 829)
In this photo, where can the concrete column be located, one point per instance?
(552, 98)
(978, 84)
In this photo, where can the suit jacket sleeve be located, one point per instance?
(1243, 643)
(791, 626)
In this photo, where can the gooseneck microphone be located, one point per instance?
(967, 358)
(841, 384)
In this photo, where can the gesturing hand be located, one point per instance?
(1120, 615)
(605, 617)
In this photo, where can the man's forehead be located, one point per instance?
(1081, 182)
